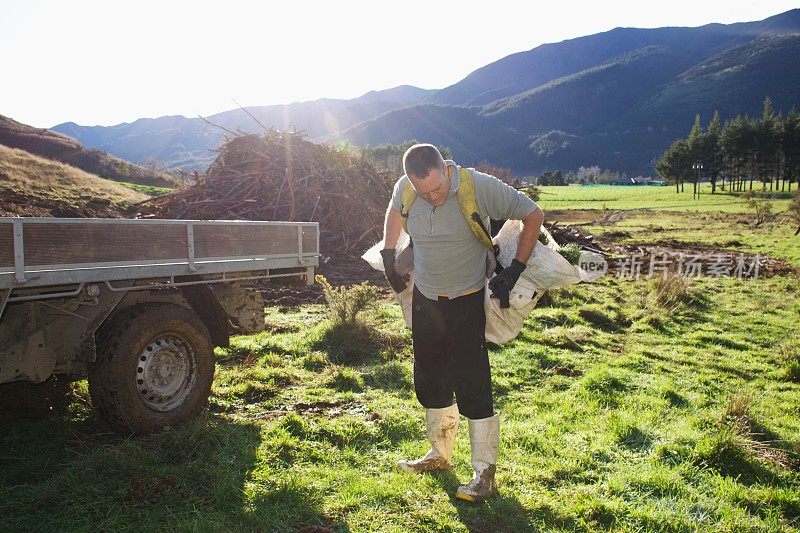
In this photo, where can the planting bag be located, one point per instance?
(545, 269)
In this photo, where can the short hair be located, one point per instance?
(420, 159)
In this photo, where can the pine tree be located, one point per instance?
(712, 154)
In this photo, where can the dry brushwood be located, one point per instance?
(282, 176)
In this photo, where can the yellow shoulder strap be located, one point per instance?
(409, 195)
(467, 201)
(469, 206)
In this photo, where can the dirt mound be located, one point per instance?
(282, 176)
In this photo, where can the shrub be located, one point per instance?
(739, 424)
(532, 192)
(794, 212)
(571, 252)
(790, 354)
(543, 239)
(345, 303)
(670, 292)
(761, 208)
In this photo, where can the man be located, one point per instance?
(448, 317)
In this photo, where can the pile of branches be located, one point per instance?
(282, 176)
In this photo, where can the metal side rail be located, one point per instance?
(36, 252)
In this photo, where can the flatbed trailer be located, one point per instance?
(137, 306)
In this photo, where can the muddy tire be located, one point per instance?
(154, 368)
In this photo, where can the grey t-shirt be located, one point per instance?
(448, 259)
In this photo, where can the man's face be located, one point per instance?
(434, 187)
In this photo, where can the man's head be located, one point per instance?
(424, 166)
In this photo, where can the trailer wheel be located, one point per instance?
(154, 368)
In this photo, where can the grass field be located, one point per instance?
(622, 197)
(626, 406)
(149, 190)
(660, 215)
(21, 172)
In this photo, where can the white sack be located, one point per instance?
(546, 269)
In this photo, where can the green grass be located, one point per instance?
(616, 414)
(624, 197)
(625, 405)
(149, 190)
(717, 230)
(650, 215)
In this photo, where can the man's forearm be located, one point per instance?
(392, 226)
(531, 226)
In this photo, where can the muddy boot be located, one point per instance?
(441, 428)
(484, 438)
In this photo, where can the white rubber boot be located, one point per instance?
(442, 426)
(484, 438)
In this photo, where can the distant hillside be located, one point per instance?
(35, 186)
(188, 143)
(61, 148)
(525, 70)
(619, 113)
(615, 99)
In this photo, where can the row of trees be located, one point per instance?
(741, 151)
(390, 156)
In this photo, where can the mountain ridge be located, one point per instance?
(614, 99)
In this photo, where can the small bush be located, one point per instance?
(532, 192)
(571, 252)
(602, 380)
(749, 435)
(670, 292)
(669, 392)
(790, 353)
(791, 371)
(295, 425)
(794, 212)
(761, 208)
(737, 412)
(723, 450)
(345, 303)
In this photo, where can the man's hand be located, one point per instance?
(396, 281)
(501, 284)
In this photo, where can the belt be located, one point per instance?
(444, 297)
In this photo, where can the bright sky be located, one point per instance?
(106, 62)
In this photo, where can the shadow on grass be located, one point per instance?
(353, 343)
(503, 512)
(391, 376)
(246, 356)
(69, 472)
(726, 453)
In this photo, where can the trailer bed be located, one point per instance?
(37, 252)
